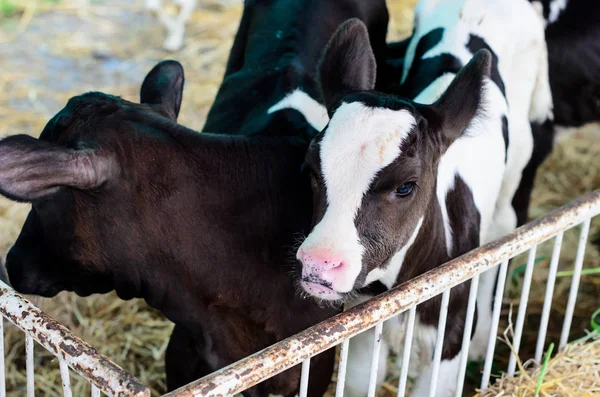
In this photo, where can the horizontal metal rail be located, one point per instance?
(292, 351)
(70, 349)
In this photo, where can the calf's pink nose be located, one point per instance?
(319, 260)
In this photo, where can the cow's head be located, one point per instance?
(374, 166)
(86, 195)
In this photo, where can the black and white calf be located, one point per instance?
(199, 225)
(573, 40)
(401, 186)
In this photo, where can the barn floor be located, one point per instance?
(52, 50)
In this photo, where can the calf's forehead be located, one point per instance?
(359, 142)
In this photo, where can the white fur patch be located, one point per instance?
(446, 384)
(314, 113)
(556, 7)
(359, 142)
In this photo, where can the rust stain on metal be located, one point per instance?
(78, 355)
(70, 350)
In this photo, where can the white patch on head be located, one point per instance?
(359, 142)
(389, 275)
(556, 7)
(314, 113)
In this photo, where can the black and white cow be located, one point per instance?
(572, 33)
(199, 225)
(401, 186)
(573, 40)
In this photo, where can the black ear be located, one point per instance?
(463, 99)
(164, 86)
(31, 169)
(348, 63)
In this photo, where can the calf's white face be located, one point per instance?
(373, 167)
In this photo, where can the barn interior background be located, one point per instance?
(51, 50)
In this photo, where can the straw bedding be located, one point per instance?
(52, 50)
(574, 372)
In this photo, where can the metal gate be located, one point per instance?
(298, 349)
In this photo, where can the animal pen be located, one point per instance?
(572, 170)
(75, 355)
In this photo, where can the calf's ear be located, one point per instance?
(31, 169)
(348, 63)
(464, 98)
(164, 86)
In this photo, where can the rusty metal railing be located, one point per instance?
(71, 351)
(339, 329)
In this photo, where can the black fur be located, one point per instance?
(348, 64)
(477, 43)
(505, 136)
(164, 86)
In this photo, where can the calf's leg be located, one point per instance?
(183, 363)
(447, 377)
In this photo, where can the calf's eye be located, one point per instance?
(405, 189)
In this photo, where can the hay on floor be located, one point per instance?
(573, 372)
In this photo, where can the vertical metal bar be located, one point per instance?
(583, 236)
(466, 342)
(95, 391)
(375, 359)
(408, 337)
(64, 375)
(2, 374)
(439, 343)
(341, 378)
(512, 363)
(489, 355)
(548, 298)
(304, 378)
(29, 365)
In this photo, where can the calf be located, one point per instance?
(573, 40)
(125, 199)
(199, 225)
(572, 33)
(402, 186)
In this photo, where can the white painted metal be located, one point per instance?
(64, 375)
(304, 378)
(466, 342)
(489, 355)
(439, 343)
(61, 342)
(375, 359)
(29, 365)
(2, 371)
(548, 298)
(95, 391)
(512, 363)
(408, 337)
(585, 229)
(342, 365)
